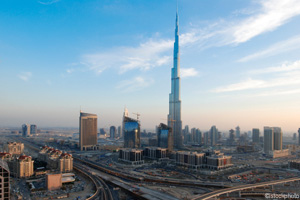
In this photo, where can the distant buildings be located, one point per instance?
(206, 138)
(4, 181)
(231, 137)
(213, 136)
(294, 136)
(279, 153)
(238, 132)
(255, 135)
(87, 131)
(268, 139)
(119, 131)
(211, 160)
(299, 136)
(25, 130)
(132, 156)
(33, 129)
(14, 148)
(165, 137)
(125, 114)
(277, 138)
(131, 133)
(112, 132)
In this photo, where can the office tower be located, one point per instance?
(87, 131)
(231, 137)
(299, 136)
(198, 137)
(294, 136)
(125, 114)
(206, 136)
(102, 131)
(112, 132)
(119, 131)
(237, 132)
(25, 130)
(255, 135)
(132, 135)
(165, 137)
(174, 117)
(186, 129)
(4, 181)
(268, 139)
(277, 138)
(213, 136)
(33, 129)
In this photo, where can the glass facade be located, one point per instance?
(131, 133)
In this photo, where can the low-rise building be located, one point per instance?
(190, 159)
(279, 153)
(155, 153)
(294, 164)
(132, 156)
(53, 181)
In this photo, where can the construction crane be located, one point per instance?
(137, 115)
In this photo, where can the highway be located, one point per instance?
(243, 187)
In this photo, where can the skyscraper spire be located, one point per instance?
(174, 117)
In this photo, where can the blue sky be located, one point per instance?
(240, 62)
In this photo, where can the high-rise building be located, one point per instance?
(25, 130)
(198, 136)
(174, 117)
(112, 132)
(277, 138)
(206, 138)
(4, 181)
(119, 131)
(213, 136)
(255, 135)
(231, 137)
(125, 114)
(131, 133)
(294, 136)
(268, 139)
(33, 129)
(237, 131)
(87, 131)
(165, 137)
(299, 136)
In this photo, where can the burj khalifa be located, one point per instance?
(174, 117)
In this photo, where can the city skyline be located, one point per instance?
(237, 67)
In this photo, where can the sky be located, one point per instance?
(240, 62)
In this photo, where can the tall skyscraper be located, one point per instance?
(87, 131)
(277, 138)
(299, 136)
(213, 136)
(165, 137)
(4, 181)
(132, 135)
(198, 137)
(238, 132)
(174, 117)
(206, 138)
(25, 130)
(112, 132)
(268, 139)
(33, 129)
(231, 136)
(255, 135)
(119, 131)
(125, 114)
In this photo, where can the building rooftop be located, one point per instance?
(4, 165)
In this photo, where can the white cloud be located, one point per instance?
(48, 2)
(287, 75)
(25, 76)
(188, 72)
(145, 56)
(280, 47)
(273, 14)
(135, 84)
